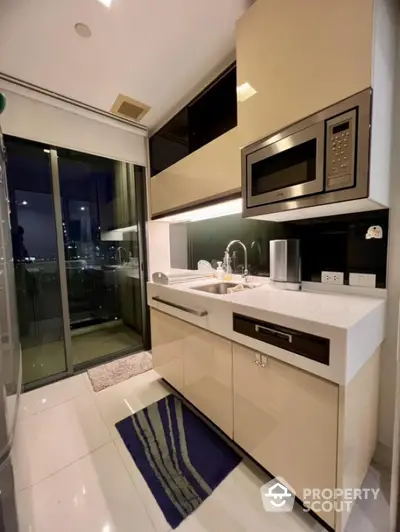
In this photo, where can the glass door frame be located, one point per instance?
(61, 263)
(137, 176)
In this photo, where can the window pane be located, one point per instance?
(35, 258)
(102, 255)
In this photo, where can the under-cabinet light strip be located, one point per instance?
(204, 213)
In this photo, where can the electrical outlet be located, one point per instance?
(362, 279)
(332, 277)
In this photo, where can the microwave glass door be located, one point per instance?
(287, 168)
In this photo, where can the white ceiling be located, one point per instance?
(155, 51)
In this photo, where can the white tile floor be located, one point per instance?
(73, 472)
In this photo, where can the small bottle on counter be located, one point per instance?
(220, 271)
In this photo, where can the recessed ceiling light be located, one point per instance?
(106, 3)
(83, 30)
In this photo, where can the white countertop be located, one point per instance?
(332, 309)
(338, 310)
(354, 324)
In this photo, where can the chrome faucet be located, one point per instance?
(120, 254)
(245, 272)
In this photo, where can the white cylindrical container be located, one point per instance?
(220, 271)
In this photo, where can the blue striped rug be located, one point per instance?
(181, 458)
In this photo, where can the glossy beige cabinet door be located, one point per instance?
(211, 171)
(208, 376)
(167, 335)
(287, 420)
(300, 57)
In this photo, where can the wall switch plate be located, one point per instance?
(362, 279)
(332, 277)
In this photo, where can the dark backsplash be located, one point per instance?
(208, 239)
(335, 243)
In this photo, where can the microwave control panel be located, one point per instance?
(340, 151)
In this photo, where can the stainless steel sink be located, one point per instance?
(221, 289)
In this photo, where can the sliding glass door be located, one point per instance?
(93, 234)
(36, 262)
(101, 255)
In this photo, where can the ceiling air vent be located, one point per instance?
(129, 108)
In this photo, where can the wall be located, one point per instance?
(159, 255)
(389, 359)
(208, 240)
(33, 116)
(336, 243)
(178, 245)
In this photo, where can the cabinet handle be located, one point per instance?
(181, 307)
(278, 334)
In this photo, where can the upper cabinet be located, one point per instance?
(313, 145)
(170, 144)
(196, 155)
(296, 59)
(211, 114)
(212, 171)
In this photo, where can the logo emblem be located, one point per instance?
(277, 496)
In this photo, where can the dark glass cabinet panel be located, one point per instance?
(211, 114)
(214, 112)
(171, 143)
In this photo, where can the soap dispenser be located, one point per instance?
(228, 267)
(220, 271)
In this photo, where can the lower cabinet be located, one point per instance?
(287, 420)
(207, 376)
(197, 363)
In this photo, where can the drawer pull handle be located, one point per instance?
(181, 307)
(278, 334)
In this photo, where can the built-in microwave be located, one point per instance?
(321, 159)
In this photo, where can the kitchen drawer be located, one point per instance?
(304, 344)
